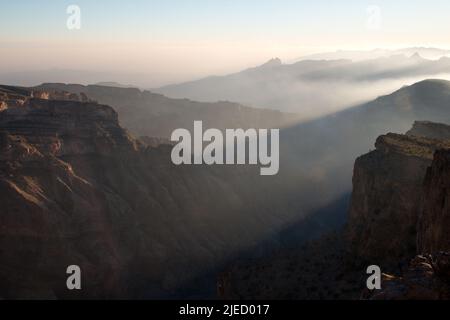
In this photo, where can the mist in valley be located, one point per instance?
(314, 88)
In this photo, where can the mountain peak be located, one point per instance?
(274, 62)
(416, 56)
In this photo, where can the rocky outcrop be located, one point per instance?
(430, 130)
(18, 96)
(12, 97)
(156, 142)
(386, 199)
(425, 278)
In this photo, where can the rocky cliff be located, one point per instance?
(405, 213)
(427, 276)
(430, 130)
(386, 199)
(434, 220)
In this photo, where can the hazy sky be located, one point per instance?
(173, 40)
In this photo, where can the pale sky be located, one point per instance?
(176, 40)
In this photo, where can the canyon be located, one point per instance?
(78, 188)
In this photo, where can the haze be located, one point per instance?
(153, 43)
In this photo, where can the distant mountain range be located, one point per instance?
(359, 55)
(114, 84)
(313, 86)
(317, 87)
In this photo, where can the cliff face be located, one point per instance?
(52, 217)
(386, 199)
(406, 213)
(76, 188)
(434, 221)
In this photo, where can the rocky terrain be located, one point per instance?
(77, 188)
(319, 270)
(426, 277)
(430, 130)
(399, 208)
